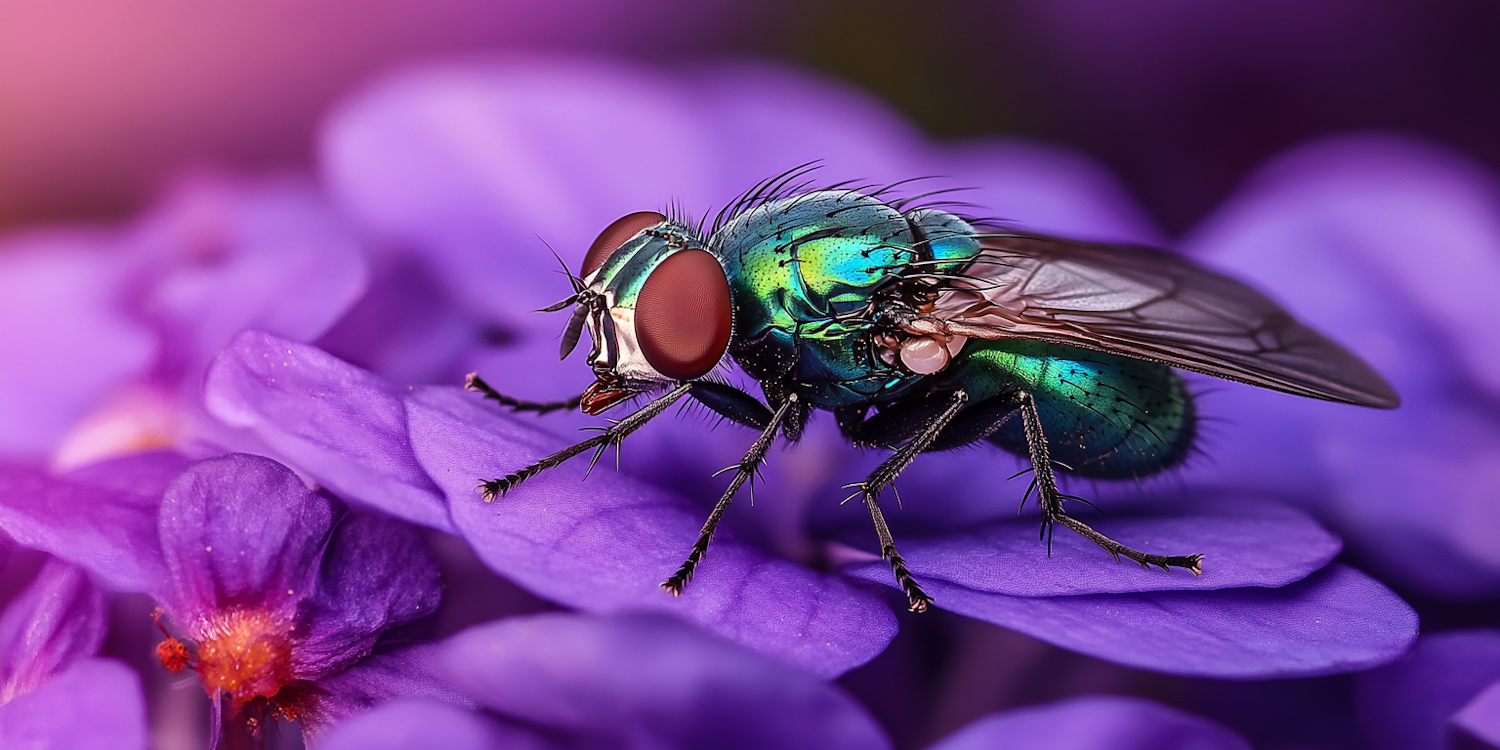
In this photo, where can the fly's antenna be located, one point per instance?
(574, 280)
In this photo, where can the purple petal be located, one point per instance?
(337, 423)
(426, 724)
(1245, 544)
(236, 531)
(66, 339)
(1094, 722)
(605, 545)
(58, 620)
(650, 681)
(96, 705)
(116, 539)
(410, 672)
(376, 574)
(1478, 723)
(1046, 189)
(1336, 620)
(1407, 705)
(471, 163)
(269, 255)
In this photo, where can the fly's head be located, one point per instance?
(656, 305)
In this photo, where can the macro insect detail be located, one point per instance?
(922, 331)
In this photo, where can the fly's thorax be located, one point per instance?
(657, 308)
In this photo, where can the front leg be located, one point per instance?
(475, 383)
(1051, 500)
(612, 435)
(745, 469)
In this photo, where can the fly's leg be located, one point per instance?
(612, 435)
(887, 473)
(745, 469)
(1052, 507)
(475, 383)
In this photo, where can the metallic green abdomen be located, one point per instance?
(1104, 416)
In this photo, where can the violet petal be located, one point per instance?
(95, 705)
(1094, 722)
(606, 544)
(376, 574)
(239, 530)
(1407, 705)
(427, 724)
(66, 340)
(337, 423)
(1336, 620)
(1478, 722)
(1245, 544)
(405, 672)
(58, 620)
(116, 538)
(651, 681)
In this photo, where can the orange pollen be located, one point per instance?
(247, 654)
(173, 654)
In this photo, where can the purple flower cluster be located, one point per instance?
(247, 407)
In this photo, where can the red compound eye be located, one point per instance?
(617, 234)
(682, 315)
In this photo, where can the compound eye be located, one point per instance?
(617, 234)
(682, 315)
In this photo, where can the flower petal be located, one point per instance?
(1094, 722)
(95, 705)
(332, 421)
(236, 531)
(376, 574)
(66, 338)
(116, 539)
(407, 672)
(606, 544)
(58, 620)
(1247, 543)
(1407, 704)
(1336, 620)
(427, 724)
(1478, 723)
(651, 681)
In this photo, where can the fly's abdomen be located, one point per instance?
(1104, 416)
(801, 271)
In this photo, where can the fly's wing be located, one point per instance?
(1148, 304)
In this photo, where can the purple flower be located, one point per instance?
(52, 693)
(492, 155)
(1444, 689)
(107, 332)
(276, 595)
(1097, 722)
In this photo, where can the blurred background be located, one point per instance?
(101, 102)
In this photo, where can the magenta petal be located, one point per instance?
(239, 531)
(1094, 722)
(95, 705)
(1407, 705)
(331, 420)
(376, 574)
(1336, 620)
(1245, 544)
(59, 619)
(116, 539)
(606, 544)
(651, 681)
(427, 724)
(1479, 720)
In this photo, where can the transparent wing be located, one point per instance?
(1148, 304)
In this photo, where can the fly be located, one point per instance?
(923, 331)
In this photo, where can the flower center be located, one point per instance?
(247, 654)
